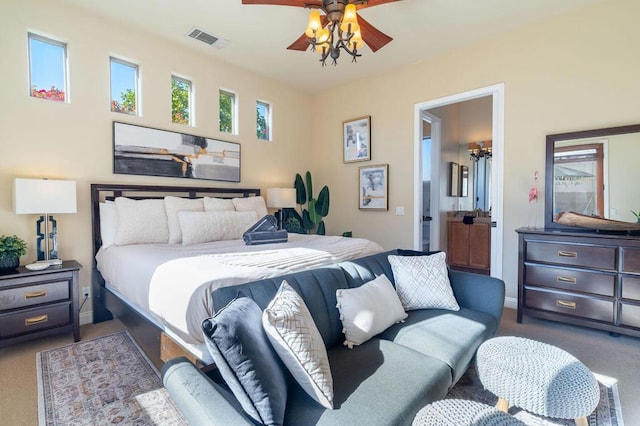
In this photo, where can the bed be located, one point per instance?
(161, 290)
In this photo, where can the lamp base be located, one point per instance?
(50, 262)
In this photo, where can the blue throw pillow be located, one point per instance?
(246, 360)
(404, 252)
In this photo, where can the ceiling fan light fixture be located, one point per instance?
(314, 24)
(356, 41)
(349, 23)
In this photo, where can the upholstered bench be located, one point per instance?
(462, 412)
(537, 377)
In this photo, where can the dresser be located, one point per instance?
(39, 303)
(586, 279)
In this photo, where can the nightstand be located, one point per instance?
(39, 303)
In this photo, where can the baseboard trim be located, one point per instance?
(511, 302)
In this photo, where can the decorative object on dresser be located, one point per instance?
(44, 196)
(11, 248)
(581, 278)
(39, 303)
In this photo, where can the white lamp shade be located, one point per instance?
(43, 196)
(281, 197)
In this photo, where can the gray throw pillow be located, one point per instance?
(246, 360)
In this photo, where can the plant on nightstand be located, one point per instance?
(310, 221)
(11, 248)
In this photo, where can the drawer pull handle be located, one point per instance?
(570, 280)
(36, 320)
(34, 294)
(562, 253)
(565, 304)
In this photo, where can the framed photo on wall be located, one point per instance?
(454, 179)
(139, 150)
(356, 141)
(464, 181)
(374, 187)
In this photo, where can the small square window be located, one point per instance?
(180, 100)
(47, 68)
(263, 121)
(124, 87)
(228, 107)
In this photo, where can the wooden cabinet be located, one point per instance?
(39, 303)
(469, 245)
(579, 278)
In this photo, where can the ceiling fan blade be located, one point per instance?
(302, 43)
(297, 3)
(372, 3)
(374, 38)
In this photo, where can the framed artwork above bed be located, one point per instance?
(139, 150)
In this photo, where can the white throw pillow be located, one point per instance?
(212, 204)
(173, 205)
(204, 227)
(296, 339)
(422, 282)
(255, 204)
(141, 222)
(108, 223)
(368, 310)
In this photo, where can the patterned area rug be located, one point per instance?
(607, 413)
(107, 380)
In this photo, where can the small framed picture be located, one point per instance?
(454, 179)
(464, 181)
(356, 143)
(374, 187)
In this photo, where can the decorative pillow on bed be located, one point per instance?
(422, 282)
(173, 205)
(108, 223)
(141, 222)
(296, 339)
(204, 227)
(212, 204)
(368, 310)
(246, 360)
(255, 204)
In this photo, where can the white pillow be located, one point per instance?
(368, 310)
(255, 204)
(212, 204)
(141, 222)
(108, 223)
(422, 282)
(173, 205)
(296, 339)
(204, 227)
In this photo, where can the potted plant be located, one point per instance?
(11, 248)
(637, 215)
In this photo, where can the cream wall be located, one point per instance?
(576, 71)
(40, 138)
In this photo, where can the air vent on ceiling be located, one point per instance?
(207, 38)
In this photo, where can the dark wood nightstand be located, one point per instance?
(39, 303)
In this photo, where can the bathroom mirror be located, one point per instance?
(593, 172)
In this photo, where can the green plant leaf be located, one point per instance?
(301, 194)
(313, 214)
(309, 186)
(322, 205)
(321, 230)
(307, 224)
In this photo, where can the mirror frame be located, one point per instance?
(548, 187)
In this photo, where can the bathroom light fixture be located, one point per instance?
(479, 150)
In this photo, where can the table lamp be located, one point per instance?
(280, 198)
(44, 197)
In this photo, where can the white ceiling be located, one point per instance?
(258, 35)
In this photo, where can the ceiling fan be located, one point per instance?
(339, 28)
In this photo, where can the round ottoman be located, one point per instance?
(538, 378)
(461, 412)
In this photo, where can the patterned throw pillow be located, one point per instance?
(422, 282)
(296, 339)
(368, 310)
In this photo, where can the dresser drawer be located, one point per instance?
(34, 319)
(630, 315)
(631, 260)
(631, 287)
(33, 295)
(570, 304)
(572, 280)
(595, 257)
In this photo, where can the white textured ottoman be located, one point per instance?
(461, 412)
(538, 378)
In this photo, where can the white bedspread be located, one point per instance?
(174, 282)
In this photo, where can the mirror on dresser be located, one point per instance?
(593, 172)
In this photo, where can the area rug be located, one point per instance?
(107, 380)
(607, 413)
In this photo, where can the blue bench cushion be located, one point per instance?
(450, 336)
(367, 390)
